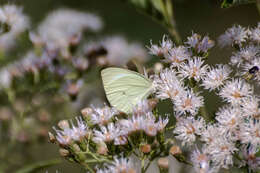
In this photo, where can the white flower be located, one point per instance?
(255, 34)
(188, 102)
(80, 131)
(252, 160)
(194, 68)
(245, 54)
(18, 22)
(101, 116)
(177, 55)
(150, 126)
(163, 48)
(120, 165)
(161, 124)
(143, 107)
(200, 161)
(250, 132)
(120, 51)
(193, 40)
(216, 77)
(250, 107)
(234, 91)
(199, 45)
(133, 124)
(167, 85)
(235, 35)
(205, 44)
(229, 118)
(62, 27)
(67, 134)
(221, 150)
(107, 134)
(187, 128)
(209, 133)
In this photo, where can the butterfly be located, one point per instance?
(125, 88)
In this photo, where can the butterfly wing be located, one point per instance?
(125, 88)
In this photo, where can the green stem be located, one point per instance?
(142, 165)
(169, 15)
(88, 167)
(174, 33)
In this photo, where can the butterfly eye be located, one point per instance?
(253, 70)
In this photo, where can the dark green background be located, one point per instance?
(202, 16)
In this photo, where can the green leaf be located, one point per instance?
(38, 165)
(231, 3)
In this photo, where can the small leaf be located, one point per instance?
(231, 3)
(38, 165)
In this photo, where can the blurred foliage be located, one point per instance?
(231, 3)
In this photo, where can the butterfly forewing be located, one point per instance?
(124, 88)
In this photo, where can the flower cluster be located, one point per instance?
(246, 54)
(228, 138)
(236, 124)
(105, 133)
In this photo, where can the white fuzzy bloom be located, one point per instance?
(80, 131)
(101, 116)
(251, 159)
(177, 55)
(234, 91)
(216, 77)
(200, 161)
(167, 84)
(194, 68)
(229, 118)
(209, 133)
(200, 45)
(187, 128)
(255, 34)
(133, 124)
(221, 150)
(15, 19)
(60, 27)
(188, 102)
(235, 35)
(143, 107)
(245, 55)
(163, 48)
(161, 123)
(67, 134)
(106, 134)
(120, 51)
(205, 44)
(150, 126)
(120, 165)
(250, 132)
(251, 107)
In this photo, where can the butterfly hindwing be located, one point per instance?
(124, 88)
